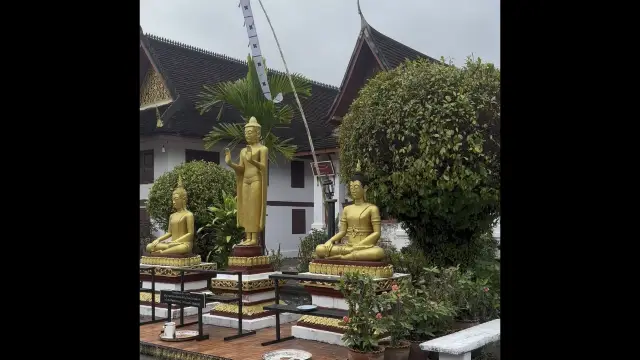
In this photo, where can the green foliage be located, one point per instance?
(308, 246)
(245, 95)
(399, 304)
(364, 323)
(276, 259)
(410, 260)
(218, 237)
(428, 138)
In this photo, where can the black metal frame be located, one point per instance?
(207, 298)
(277, 308)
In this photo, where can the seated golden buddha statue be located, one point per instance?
(179, 237)
(361, 223)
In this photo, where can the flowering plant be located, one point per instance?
(477, 301)
(364, 323)
(400, 305)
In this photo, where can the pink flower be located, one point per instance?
(345, 319)
(378, 316)
(486, 289)
(394, 287)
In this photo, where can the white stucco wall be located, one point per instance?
(278, 226)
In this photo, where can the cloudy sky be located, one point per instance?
(318, 36)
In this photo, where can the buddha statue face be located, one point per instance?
(356, 190)
(179, 200)
(251, 134)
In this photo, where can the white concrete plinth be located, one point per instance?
(329, 337)
(188, 285)
(249, 324)
(329, 302)
(251, 277)
(145, 310)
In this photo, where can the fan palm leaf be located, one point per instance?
(245, 95)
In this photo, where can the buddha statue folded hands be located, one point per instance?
(179, 237)
(360, 222)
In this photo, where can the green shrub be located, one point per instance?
(276, 259)
(218, 237)
(204, 183)
(307, 248)
(428, 138)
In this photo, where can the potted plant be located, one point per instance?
(399, 304)
(363, 324)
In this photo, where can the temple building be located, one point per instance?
(172, 74)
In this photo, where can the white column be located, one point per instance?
(402, 238)
(318, 206)
(339, 190)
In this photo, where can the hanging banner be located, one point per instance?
(254, 45)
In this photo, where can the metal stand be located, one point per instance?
(240, 333)
(278, 338)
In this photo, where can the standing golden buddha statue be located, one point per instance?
(360, 222)
(179, 237)
(251, 183)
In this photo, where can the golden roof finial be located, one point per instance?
(358, 169)
(253, 122)
(159, 118)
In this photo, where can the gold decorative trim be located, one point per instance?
(167, 261)
(249, 261)
(381, 284)
(319, 320)
(377, 272)
(264, 284)
(249, 310)
(176, 273)
(146, 297)
(153, 90)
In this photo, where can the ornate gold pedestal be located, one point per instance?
(171, 261)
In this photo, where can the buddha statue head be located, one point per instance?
(179, 196)
(358, 184)
(252, 131)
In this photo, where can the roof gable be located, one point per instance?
(388, 54)
(153, 91)
(190, 68)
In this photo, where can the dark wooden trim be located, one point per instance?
(290, 203)
(347, 74)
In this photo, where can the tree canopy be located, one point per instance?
(428, 137)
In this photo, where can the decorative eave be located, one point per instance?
(363, 37)
(174, 98)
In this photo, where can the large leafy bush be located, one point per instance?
(205, 183)
(427, 135)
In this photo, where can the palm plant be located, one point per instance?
(246, 96)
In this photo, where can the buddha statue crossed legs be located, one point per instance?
(360, 222)
(179, 237)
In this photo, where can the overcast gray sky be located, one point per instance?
(318, 36)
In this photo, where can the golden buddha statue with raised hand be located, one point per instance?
(251, 183)
(360, 222)
(179, 237)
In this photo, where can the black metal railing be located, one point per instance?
(209, 297)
